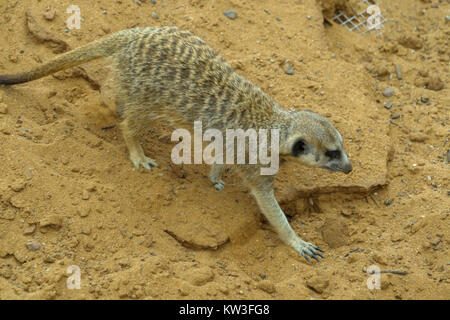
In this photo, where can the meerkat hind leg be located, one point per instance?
(137, 156)
(215, 175)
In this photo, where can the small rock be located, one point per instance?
(50, 15)
(398, 72)
(388, 104)
(448, 156)
(18, 186)
(33, 246)
(418, 137)
(397, 236)
(231, 14)
(435, 84)
(155, 16)
(413, 42)
(318, 283)
(85, 195)
(201, 276)
(388, 92)
(395, 116)
(52, 221)
(378, 257)
(29, 230)
(288, 69)
(3, 108)
(266, 286)
(424, 99)
(334, 232)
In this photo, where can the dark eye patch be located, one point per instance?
(299, 147)
(333, 154)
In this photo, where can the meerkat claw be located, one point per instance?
(219, 185)
(147, 163)
(308, 249)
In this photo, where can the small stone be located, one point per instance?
(3, 108)
(395, 116)
(398, 236)
(388, 104)
(378, 257)
(266, 286)
(308, 17)
(53, 221)
(50, 15)
(399, 72)
(388, 92)
(201, 276)
(424, 99)
(288, 69)
(231, 14)
(334, 232)
(448, 156)
(318, 283)
(29, 230)
(18, 186)
(138, 3)
(388, 202)
(33, 246)
(85, 195)
(155, 16)
(435, 84)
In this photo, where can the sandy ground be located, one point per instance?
(69, 196)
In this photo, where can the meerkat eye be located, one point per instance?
(299, 147)
(333, 154)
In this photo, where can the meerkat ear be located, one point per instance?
(299, 147)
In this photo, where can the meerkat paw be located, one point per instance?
(306, 249)
(146, 162)
(220, 185)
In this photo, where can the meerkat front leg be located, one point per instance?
(137, 155)
(215, 175)
(264, 195)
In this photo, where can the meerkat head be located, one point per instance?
(315, 142)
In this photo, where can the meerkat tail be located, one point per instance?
(94, 50)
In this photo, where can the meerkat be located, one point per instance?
(170, 74)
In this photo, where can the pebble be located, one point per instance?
(201, 276)
(266, 286)
(395, 116)
(85, 195)
(399, 72)
(3, 108)
(388, 104)
(388, 92)
(231, 14)
(29, 230)
(155, 16)
(33, 246)
(50, 15)
(288, 69)
(318, 283)
(448, 156)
